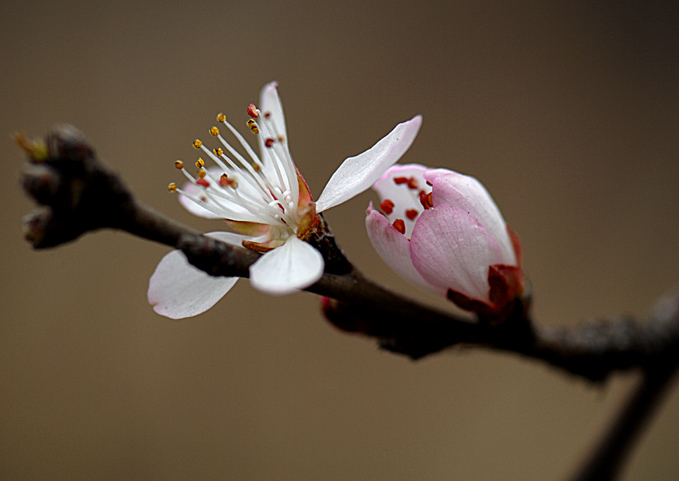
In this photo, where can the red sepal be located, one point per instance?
(506, 283)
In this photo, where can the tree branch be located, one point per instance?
(608, 456)
(79, 194)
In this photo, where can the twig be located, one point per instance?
(79, 194)
(608, 457)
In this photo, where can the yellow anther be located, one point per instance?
(218, 152)
(172, 187)
(202, 173)
(200, 163)
(197, 143)
(221, 117)
(253, 126)
(179, 164)
(214, 131)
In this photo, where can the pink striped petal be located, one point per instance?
(468, 194)
(452, 250)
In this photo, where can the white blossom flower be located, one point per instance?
(442, 231)
(267, 202)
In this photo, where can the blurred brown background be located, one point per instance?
(568, 112)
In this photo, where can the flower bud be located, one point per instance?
(455, 243)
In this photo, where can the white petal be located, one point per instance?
(286, 269)
(270, 102)
(451, 249)
(357, 174)
(403, 197)
(178, 290)
(394, 248)
(467, 193)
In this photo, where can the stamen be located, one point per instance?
(400, 226)
(224, 181)
(179, 164)
(214, 131)
(217, 207)
(203, 182)
(252, 111)
(197, 143)
(280, 155)
(269, 142)
(426, 200)
(221, 117)
(172, 187)
(387, 206)
(200, 163)
(412, 183)
(218, 152)
(253, 126)
(411, 214)
(400, 180)
(202, 173)
(257, 181)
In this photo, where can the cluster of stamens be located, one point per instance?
(424, 197)
(267, 193)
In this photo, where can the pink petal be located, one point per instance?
(403, 198)
(357, 174)
(452, 250)
(287, 269)
(394, 248)
(468, 194)
(178, 290)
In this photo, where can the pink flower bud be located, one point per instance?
(455, 243)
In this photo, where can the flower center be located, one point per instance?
(247, 187)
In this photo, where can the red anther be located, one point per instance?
(252, 111)
(387, 206)
(400, 226)
(412, 183)
(203, 182)
(429, 183)
(411, 214)
(267, 115)
(224, 180)
(269, 142)
(400, 180)
(425, 200)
